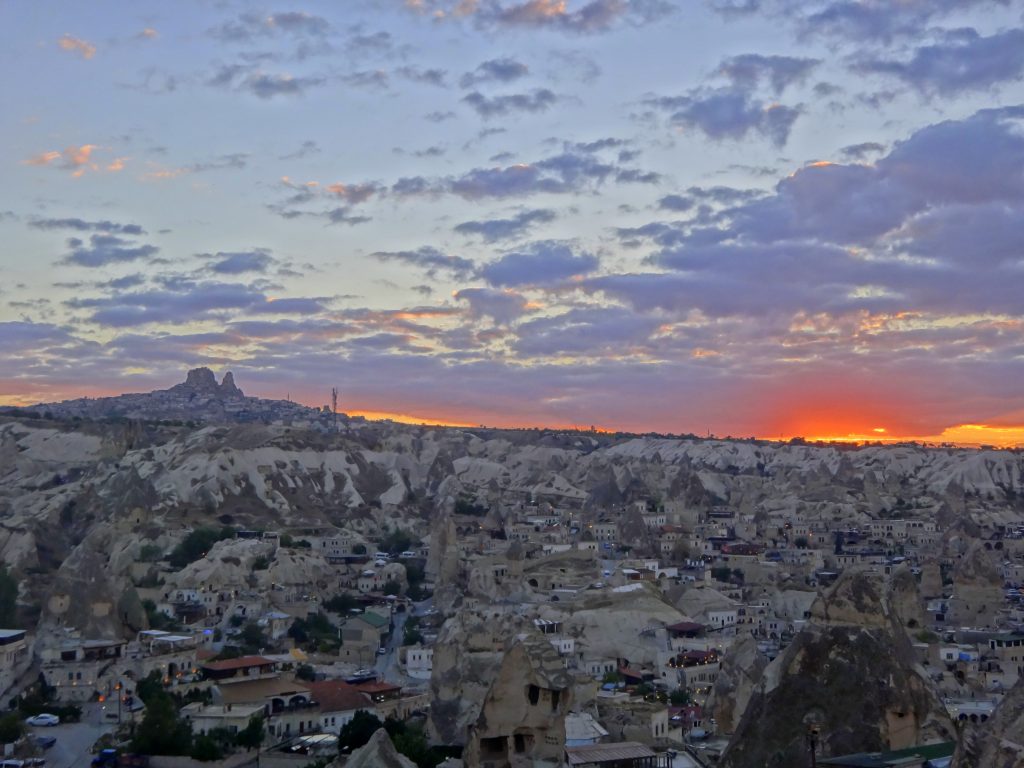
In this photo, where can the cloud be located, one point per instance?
(236, 263)
(77, 46)
(868, 20)
(502, 307)
(725, 113)
(267, 86)
(749, 70)
(104, 249)
(503, 70)
(81, 225)
(493, 230)
(678, 203)
(860, 151)
(77, 159)
(232, 161)
(306, 149)
(183, 302)
(425, 76)
(248, 26)
(487, 107)
(964, 61)
(542, 263)
(589, 18)
(430, 260)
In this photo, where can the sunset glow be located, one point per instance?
(736, 218)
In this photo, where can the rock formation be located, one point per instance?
(852, 671)
(378, 752)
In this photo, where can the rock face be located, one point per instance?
(852, 672)
(737, 682)
(379, 752)
(999, 743)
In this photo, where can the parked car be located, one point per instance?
(45, 742)
(43, 720)
(106, 758)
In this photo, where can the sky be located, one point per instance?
(766, 218)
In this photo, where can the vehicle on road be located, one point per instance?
(43, 720)
(382, 651)
(106, 758)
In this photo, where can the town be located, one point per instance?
(242, 596)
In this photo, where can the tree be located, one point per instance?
(305, 672)
(357, 731)
(396, 541)
(341, 603)
(10, 728)
(392, 587)
(252, 637)
(359, 549)
(150, 687)
(206, 749)
(8, 599)
(251, 736)
(162, 731)
(150, 553)
(196, 544)
(721, 573)
(679, 697)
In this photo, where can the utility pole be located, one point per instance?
(334, 406)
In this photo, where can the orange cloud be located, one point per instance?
(149, 33)
(43, 158)
(75, 45)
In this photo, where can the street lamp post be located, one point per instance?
(813, 732)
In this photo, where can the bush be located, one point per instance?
(341, 603)
(396, 541)
(196, 544)
(10, 728)
(150, 553)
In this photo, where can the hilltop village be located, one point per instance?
(199, 576)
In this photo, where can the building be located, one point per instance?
(624, 754)
(14, 656)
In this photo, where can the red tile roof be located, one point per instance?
(338, 696)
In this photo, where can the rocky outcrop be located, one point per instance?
(852, 672)
(378, 752)
(999, 743)
(738, 681)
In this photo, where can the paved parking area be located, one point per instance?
(75, 740)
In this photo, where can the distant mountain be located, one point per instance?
(197, 399)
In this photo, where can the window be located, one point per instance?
(533, 694)
(520, 743)
(555, 695)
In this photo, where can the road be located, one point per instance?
(386, 665)
(75, 740)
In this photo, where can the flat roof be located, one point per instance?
(242, 662)
(607, 753)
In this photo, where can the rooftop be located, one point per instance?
(607, 753)
(242, 662)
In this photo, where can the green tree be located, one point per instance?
(305, 672)
(150, 687)
(392, 587)
(341, 603)
(150, 553)
(359, 549)
(196, 544)
(680, 697)
(206, 749)
(357, 731)
(251, 736)
(396, 541)
(162, 731)
(10, 728)
(8, 599)
(252, 637)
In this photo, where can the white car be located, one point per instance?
(43, 720)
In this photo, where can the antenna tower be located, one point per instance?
(334, 406)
